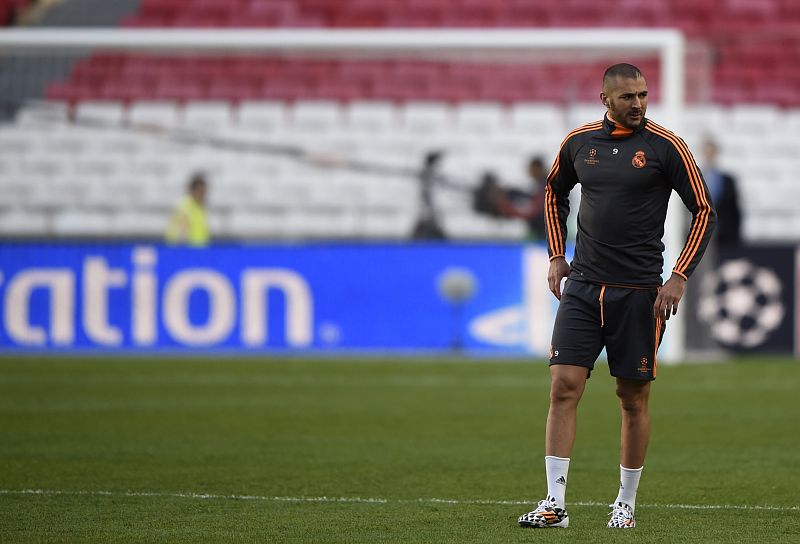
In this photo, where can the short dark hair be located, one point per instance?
(197, 181)
(622, 69)
(535, 161)
(432, 157)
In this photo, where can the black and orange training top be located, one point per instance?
(626, 177)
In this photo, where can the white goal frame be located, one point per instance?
(668, 45)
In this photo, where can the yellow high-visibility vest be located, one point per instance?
(189, 224)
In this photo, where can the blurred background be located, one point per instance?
(205, 197)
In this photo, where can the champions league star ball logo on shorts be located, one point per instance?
(741, 304)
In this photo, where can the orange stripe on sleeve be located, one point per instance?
(695, 237)
(555, 234)
(551, 214)
(697, 186)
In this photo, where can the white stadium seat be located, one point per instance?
(82, 222)
(158, 113)
(34, 115)
(262, 116)
(100, 111)
(426, 118)
(372, 117)
(580, 114)
(390, 224)
(534, 118)
(15, 140)
(301, 224)
(62, 171)
(24, 222)
(139, 223)
(251, 224)
(480, 117)
(313, 116)
(753, 120)
(209, 116)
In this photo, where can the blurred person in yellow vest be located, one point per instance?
(189, 223)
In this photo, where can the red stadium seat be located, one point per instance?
(752, 40)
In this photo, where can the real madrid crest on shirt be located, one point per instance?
(639, 160)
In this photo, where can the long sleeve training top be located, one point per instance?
(626, 177)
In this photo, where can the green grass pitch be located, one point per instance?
(336, 450)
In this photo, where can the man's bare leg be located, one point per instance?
(567, 383)
(634, 396)
(634, 437)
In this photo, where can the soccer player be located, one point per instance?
(613, 296)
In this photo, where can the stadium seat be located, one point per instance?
(312, 116)
(480, 117)
(426, 117)
(262, 115)
(158, 113)
(244, 224)
(55, 111)
(81, 222)
(372, 117)
(580, 114)
(139, 224)
(388, 224)
(753, 120)
(207, 116)
(17, 190)
(19, 139)
(24, 222)
(315, 224)
(478, 227)
(100, 111)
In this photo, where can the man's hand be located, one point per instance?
(669, 296)
(559, 269)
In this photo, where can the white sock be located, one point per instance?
(556, 469)
(628, 484)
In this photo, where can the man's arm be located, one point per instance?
(560, 181)
(688, 182)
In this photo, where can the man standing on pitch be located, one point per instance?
(628, 167)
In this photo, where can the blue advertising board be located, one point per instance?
(479, 298)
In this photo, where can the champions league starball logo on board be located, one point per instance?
(741, 303)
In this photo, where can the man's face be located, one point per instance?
(709, 153)
(536, 173)
(626, 100)
(199, 193)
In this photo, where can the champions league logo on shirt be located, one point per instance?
(591, 159)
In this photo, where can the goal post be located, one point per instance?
(495, 45)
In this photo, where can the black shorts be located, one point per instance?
(620, 319)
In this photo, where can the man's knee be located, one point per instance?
(633, 395)
(567, 384)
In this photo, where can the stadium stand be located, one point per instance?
(11, 10)
(483, 115)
